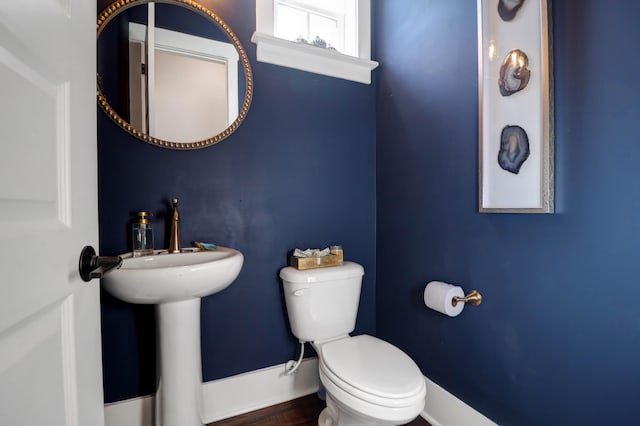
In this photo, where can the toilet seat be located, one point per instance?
(374, 371)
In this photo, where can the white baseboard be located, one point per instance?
(444, 409)
(227, 397)
(257, 389)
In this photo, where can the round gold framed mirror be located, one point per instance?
(171, 73)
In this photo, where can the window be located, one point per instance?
(330, 20)
(330, 37)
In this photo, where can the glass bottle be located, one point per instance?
(142, 235)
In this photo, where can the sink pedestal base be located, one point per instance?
(179, 397)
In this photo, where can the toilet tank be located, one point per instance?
(322, 303)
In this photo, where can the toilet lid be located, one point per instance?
(373, 366)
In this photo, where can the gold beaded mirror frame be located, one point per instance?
(119, 6)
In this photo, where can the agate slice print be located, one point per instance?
(514, 148)
(514, 75)
(507, 9)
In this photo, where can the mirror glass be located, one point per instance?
(171, 73)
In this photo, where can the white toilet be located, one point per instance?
(368, 381)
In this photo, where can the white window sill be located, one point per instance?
(314, 59)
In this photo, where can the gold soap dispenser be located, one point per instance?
(142, 235)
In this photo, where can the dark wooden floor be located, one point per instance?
(299, 412)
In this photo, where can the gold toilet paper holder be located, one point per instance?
(474, 297)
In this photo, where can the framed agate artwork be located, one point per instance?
(515, 107)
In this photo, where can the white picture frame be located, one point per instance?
(515, 107)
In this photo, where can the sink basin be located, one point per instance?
(163, 278)
(175, 283)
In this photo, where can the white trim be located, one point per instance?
(131, 412)
(444, 409)
(187, 44)
(364, 29)
(264, 17)
(243, 393)
(150, 61)
(198, 47)
(257, 389)
(228, 397)
(63, 141)
(69, 361)
(310, 58)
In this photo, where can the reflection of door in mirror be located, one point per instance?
(177, 32)
(184, 89)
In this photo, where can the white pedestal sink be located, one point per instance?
(175, 283)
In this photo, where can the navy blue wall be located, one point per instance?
(557, 337)
(299, 172)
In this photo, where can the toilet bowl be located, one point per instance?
(368, 381)
(371, 381)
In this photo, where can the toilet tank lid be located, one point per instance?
(331, 273)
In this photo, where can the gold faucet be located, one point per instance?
(174, 240)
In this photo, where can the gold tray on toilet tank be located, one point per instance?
(302, 263)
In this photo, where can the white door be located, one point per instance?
(50, 359)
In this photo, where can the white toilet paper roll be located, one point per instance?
(438, 296)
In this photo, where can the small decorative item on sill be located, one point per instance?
(314, 258)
